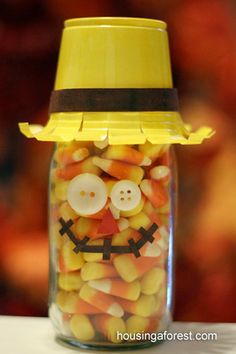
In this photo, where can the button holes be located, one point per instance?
(122, 192)
(129, 191)
(92, 194)
(82, 193)
(122, 198)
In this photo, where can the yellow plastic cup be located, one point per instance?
(115, 53)
(111, 52)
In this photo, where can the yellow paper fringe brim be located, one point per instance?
(118, 127)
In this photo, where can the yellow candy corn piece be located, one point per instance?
(69, 260)
(144, 306)
(153, 151)
(86, 227)
(67, 155)
(109, 326)
(58, 240)
(122, 238)
(122, 224)
(155, 192)
(139, 220)
(137, 324)
(117, 287)
(70, 171)
(120, 170)
(92, 271)
(66, 212)
(61, 190)
(130, 268)
(82, 328)
(103, 302)
(70, 281)
(152, 281)
(126, 154)
(93, 257)
(71, 303)
(160, 173)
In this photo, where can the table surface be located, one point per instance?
(31, 335)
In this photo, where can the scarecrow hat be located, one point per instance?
(114, 81)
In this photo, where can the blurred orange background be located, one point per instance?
(203, 49)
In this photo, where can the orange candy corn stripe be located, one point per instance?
(117, 287)
(127, 154)
(103, 302)
(120, 170)
(155, 192)
(70, 171)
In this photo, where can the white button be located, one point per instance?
(87, 194)
(125, 195)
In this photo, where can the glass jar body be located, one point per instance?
(111, 222)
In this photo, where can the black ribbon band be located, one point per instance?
(114, 100)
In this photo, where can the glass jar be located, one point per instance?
(111, 241)
(113, 116)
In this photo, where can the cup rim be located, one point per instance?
(115, 21)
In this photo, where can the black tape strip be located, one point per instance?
(114, 100)
(107, 248)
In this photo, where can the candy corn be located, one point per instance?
(152, 213)
(144, 306)
(152, 281)
(103, 302)
(58, 240)
(130, 268)
(67, 155)
(155, 192)
(82, 328)
(116, 287)
(126, 154)
(87, 227)
(66, 212)
(160, 173)
(101, 144)
(93, 257)
(71, 303)
(120, 170)
(61, 190)
(68, 259)
(92, 270)
(139, 220)
(138, 324)
(70, 171)
(70, 281)
(109, 326)
(122, 238)
(109, 182)
(152, 151)
(123, 224)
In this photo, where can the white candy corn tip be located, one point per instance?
(115, 212)
(123, 224)
(80, 154)
(115, 310)
(101, 144)
(146, 161)
(160, 172)
(103, 285)
(152, 250)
